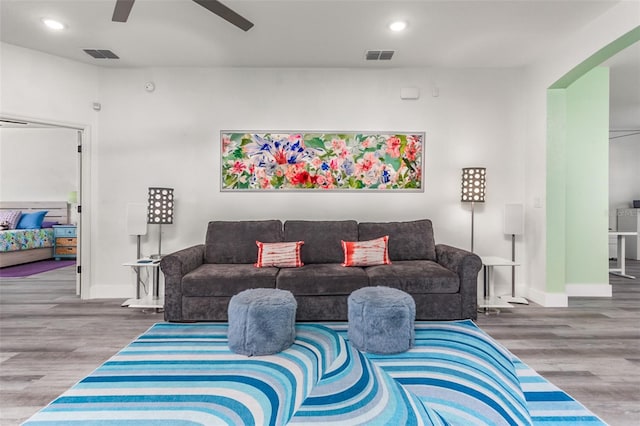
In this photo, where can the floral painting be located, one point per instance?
(321, 161)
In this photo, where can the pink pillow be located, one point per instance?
(282, 255)
(366, 253)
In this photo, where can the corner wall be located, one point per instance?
(614, 24)
(577, 187)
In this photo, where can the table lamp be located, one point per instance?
(473, 189)
(160, 212)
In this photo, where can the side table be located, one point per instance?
(488, 301)
(65, 242)
(149, 301)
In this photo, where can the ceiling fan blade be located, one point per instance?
(122, 10)
(225, 13)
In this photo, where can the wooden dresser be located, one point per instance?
(65, 244)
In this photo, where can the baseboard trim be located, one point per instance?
(589, 290)
(549, 300)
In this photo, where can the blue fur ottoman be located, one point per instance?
(381, 320)
(262, 321)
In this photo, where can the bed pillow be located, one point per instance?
(366, 253)
(31, 220)
(49, 224)
(11, 217)
(281, 255)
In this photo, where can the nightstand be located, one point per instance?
(65, 242)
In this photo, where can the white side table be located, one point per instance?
(488, 301)
(149, 301)
(620, 270)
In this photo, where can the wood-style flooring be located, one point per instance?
(49, 339)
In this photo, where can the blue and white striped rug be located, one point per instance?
(184, 374)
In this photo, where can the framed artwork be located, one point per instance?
(288, 161)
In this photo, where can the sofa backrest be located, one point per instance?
(235, 242)
(321, 238)
(407, 240)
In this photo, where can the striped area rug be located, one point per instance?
(184, 374)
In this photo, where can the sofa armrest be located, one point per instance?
(175, 266)
(467, 265)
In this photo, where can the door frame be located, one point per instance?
(83, 259)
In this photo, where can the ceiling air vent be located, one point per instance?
(101, 53)
(379, 55)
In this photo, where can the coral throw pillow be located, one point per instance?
(282, 255)
(366, 253)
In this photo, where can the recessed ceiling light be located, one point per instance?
(53, 24)
(398, 26)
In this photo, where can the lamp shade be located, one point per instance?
(473, 184)
(160, 211)
(513, 219)
(72, 198)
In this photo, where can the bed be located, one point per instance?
(19, 246)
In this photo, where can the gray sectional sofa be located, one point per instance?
(200, 280)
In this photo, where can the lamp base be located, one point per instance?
(515, 299)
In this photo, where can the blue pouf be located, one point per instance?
(262, 321)
(381, 320)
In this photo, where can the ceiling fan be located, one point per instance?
(123, 8)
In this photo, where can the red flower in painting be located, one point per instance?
(239, 167)
(301, 178)
(393, 146)
(280, 156)
(410, 151)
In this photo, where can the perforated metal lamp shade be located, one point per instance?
(473, 189)
(473, 184)
(160, 206)
(160, 211)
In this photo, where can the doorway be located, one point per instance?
(43, 161)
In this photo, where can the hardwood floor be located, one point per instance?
(591, 349)
(49, 340)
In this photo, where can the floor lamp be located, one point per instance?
(160, 212)
(514, 225)
(473, 189)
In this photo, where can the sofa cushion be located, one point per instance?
(414, 277)
(407, 240)
(219, 279)
(321, 238)
(321, 279)
(235, 242)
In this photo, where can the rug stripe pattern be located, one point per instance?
(185, 374)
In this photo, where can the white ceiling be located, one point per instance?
(321, 33)
(301, 33)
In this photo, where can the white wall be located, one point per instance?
(618, 20)
(171, 138)
(37, 164)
